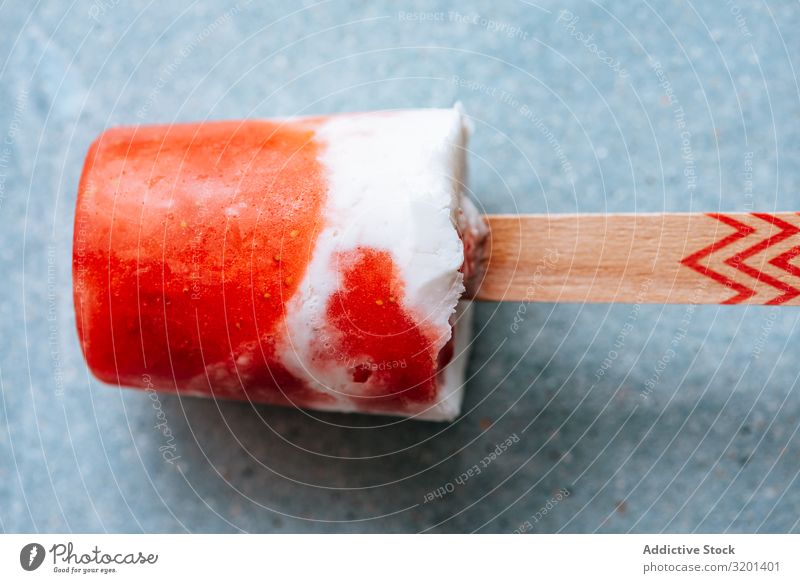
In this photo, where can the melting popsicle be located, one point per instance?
(312, 262)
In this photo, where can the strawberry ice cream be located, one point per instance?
(311, 262)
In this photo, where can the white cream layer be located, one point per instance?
(396, 182)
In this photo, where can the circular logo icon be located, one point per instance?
(31, 556)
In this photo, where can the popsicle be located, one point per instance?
(315, 262)
(329, 262)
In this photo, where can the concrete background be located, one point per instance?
(564, 122)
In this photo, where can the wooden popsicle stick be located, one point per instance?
(678, 258)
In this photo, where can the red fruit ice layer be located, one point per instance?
(190, 241)
(381, 342)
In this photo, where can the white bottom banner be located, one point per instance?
(373, 558)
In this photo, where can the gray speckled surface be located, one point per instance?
(713, 448)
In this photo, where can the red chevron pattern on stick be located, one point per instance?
(656, 258)
(764, 239)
